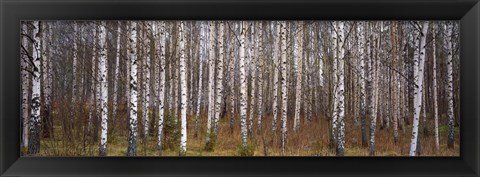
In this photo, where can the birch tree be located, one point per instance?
(132, 139)
(146, 83)
(283, 49)
(211, 74)
(104, 88)
(298, 57)
(419, 64)
(260, 75)
(25, 85)
(243, 87)
(341, 89)
(200, 75)
(434, 86)
(35, 123)
(275, 75)
(363, 81)
(183, 92)
(161, 92)
(219, 66)
(449, 37)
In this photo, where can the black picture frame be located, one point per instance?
(13, 11)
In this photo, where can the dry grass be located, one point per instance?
(311, 140)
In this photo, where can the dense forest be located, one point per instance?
(240, 88)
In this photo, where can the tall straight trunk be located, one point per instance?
(418, 78)
(25, 86)
(373, 94)
(341, 90)
(275, 75)
(363, 81)
(104, 89)
(161, 92)
(434, 87)
(132, 138)
(253, 76)
(116, 79)
(35, 123)
(200, 75)
(74, 60)
(211, 82)
(298, 57)
(395, 81)
(232, 78)
(183, 92)
(146, 84)
(260, 75)
(283, 49)
(243, 87)
(219, 93)
(449, 91)
(334, 122)
(92, 112)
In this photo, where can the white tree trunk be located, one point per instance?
(183, 92)
(260, 76)
(298, 58)
(283, 49)
(104, 88)
(450, 115)
(253, 76)
(418, 72)
(74, 68)
(219, 93)
(35, 122)
(146, 83)
(335, 80)
(363, 79)
(132, 139)
(200, 75)
(92, 112)
(434, 87)
(161, 92)
(275, 74)
(211, 74)
(243, 87)
(340, 90)
(25, 87)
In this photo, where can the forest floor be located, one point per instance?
(310, 140)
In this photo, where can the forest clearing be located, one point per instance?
(240, 88)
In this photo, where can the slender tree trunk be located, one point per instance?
(298, 57)
(200, 75)
(211, 82)
(104, 89)
(449, 91)
(363, 81)
(283, 49)
(418, 77)
(253, 75)
(260, 76)
(434, 87)
(35, 122)
(132, 139)
(219, 93)
(25, 87)
(183, 92)
(116, 79)
(275, 75)
(341, 90)
(243, 88)
(146, 85)
(161, 92)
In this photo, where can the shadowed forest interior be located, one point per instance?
(240, 88)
